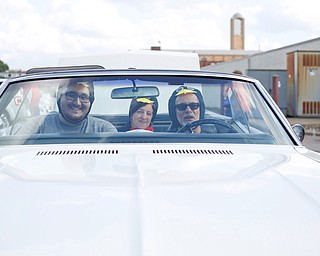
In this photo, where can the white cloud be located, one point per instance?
(36, 33)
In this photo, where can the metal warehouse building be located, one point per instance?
(297, 69)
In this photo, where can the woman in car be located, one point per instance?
(142, 112)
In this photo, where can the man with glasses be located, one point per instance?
(74, 101)
(186, 105)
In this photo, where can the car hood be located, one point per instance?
(157, 199)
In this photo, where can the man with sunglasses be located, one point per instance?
(185, 106)
(74, 101)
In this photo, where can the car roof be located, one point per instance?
(97, 70)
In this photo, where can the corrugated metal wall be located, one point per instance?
(304, 83)
(266, 79)
(308, 84)
(291, 97)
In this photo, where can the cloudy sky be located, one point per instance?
(36, 32)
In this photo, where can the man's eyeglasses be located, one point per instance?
(84, 98)
(183, 106)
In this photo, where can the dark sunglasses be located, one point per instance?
(84, 98)
(183, 106)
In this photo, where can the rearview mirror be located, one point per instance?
(134, 92)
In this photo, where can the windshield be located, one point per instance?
(137, 109)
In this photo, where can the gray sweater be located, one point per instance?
(52, 124)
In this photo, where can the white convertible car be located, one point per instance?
(244, 185)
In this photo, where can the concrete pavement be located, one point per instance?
(310, 124)
(312, 129)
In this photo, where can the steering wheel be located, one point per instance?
(192, 125)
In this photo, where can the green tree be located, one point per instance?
(3, 66)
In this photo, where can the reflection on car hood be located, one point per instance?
(158, 200)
